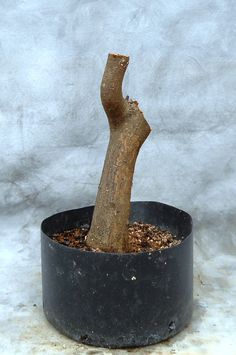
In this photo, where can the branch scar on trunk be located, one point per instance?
(128, 131)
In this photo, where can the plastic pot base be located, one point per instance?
(118, 300)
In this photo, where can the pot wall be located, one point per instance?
(118, 300)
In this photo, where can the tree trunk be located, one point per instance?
(128, 131)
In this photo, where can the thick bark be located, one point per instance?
(128, 131)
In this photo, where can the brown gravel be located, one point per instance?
(143, 237)
(147, 237)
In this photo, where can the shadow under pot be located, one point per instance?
(118, 300)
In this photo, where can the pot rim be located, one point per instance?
(125, 254)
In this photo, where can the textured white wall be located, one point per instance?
(53, 131)
(182, 71)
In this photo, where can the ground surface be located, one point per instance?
(24, 329)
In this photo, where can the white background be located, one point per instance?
(54, 133)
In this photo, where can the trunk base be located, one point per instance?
(118, 300)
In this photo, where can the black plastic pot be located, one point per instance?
(119, 300)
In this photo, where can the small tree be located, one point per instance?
(128, 131)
